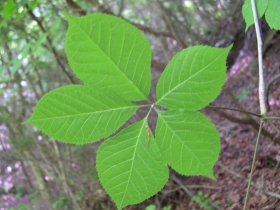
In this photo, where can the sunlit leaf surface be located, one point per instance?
(261, 6)
(110, 55)
(193, 78)
(77, 114)
(130, 166)
(189, 142)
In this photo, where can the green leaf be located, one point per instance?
(17, 62)
(247, 12)
(77, 114)
(272, 14)
(193, 78)
(188, 141)
(38, 42)
(109, 55)
(9, 9)
(130, 166)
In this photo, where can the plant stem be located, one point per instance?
(261, 96)
(233, 109)
(272, 118)
(261, 77)
(253, 164)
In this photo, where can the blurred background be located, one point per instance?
(37, 172)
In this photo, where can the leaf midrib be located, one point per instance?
(133, 160)
(108, 57)
(87, 113)
(182, 83)
(183, 143)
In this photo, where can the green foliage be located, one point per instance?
(113, 60)
(61, 203)
(196, 74)
(188, 141)
(21, 207)
(69, 113)
(109, 55)
(153, 207)
(243, 94)
(204, 201)
(272, 14)
(138, 167)
(270, 8)
(9, 9)
(32, 205)
(20, 191)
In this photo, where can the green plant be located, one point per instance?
(252, 10)
(61, 203)
(204, 201)
(150, 207)
(113, 60)
(21, 207)
(243, 94)
(268, 7)
(20, 191)
(153, 207)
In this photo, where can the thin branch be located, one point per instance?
(253, 164)
(233, 109)
(246, 121)
(69, 77)
(271, 118)
(169, 25)
(261, 77)
(191, 186)
(275, 128)
(144, 28)
(178, 181)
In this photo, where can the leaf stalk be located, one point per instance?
(260, 60)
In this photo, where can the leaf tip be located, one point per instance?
(27, 122)
(67, 15)
(212, 176)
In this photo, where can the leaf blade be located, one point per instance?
(138, 169)
(67, 114)
(110, 55)
(247, 12)
(186, 139)
(272, 14)
(193, 78)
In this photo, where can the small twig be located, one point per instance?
(248, 121)
(275, 128)
(271, 118)
(182, 186)
(233, 109)
(191, 186)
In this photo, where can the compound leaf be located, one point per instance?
(77, 114)
(110, 55)
(272, 14)
(247, 12)
(193, 78)
(130, 166)
(188, 141)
